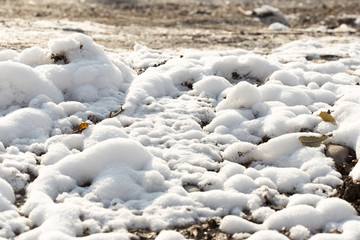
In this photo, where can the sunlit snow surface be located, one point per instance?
(202, 120)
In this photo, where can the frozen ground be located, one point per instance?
(112, 143)
(174, 24)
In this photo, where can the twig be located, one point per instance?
(117, 113)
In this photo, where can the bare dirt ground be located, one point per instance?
(174, 24)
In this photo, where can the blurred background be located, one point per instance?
(259, 25)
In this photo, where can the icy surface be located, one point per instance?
(225, 125)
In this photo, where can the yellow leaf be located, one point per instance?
(327, 117)
(80, 128)
(312, 141)
(83, 126)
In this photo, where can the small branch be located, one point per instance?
(117, 113)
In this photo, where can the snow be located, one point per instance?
(25, 123)
(267, 9)
(6, 192)
(239, 152)
(242, 95)
(169, 235)
(276, 26)
(326, 207)
(308, 199)
(233, 224)
(267, 234)
(203, 135)
(240, 183)
(299, 232)
(287, 180)
(296, 215)
(211, 86)
(20, 83)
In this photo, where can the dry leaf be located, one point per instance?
(312, 141)
(83, 126)
(327, 117)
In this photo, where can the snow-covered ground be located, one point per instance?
(99, 150)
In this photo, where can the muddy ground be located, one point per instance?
(174, 24)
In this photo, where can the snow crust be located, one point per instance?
(224, 124)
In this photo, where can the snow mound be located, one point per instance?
(303, 215)
(118, 170)
(82, 71)
(86, 73)
(6, 194)
(21, 83)
(239, 152)
(276, 26)
(243, 95)
(169, 235)
(211, 86)
(26, 123)
(233, 224)
(113, 149)
(299, 232)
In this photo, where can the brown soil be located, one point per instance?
(350, 191)
(177, 24)
(206, 231)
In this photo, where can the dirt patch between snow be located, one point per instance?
(350, 191)
(206, 231)
(175, 24)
